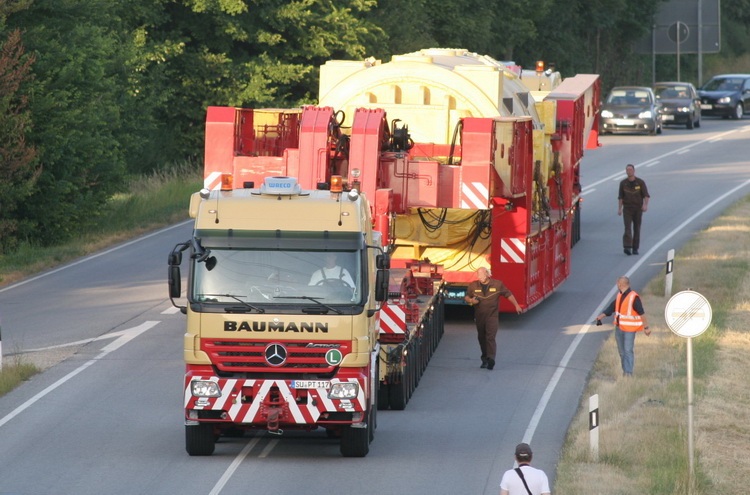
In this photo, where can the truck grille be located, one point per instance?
(238, 356)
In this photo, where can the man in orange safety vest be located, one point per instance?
(630, 318)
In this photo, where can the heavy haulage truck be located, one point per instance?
(328, 238)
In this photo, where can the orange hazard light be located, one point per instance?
(540, 65)
(337, 183)
(227, 182)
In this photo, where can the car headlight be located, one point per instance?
(645, 115)
(724, 99)
(344, 390)
(204, 388)
(683, 109)
(607, 114)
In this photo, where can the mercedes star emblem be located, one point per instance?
(275, 354)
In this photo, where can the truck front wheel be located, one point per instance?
(355, 442)
(200, 439)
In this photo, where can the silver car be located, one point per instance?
(630, 109)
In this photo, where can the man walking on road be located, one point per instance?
(632, 202)
(524, 480)
(484, 294)
(629, 320)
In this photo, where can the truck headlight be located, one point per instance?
(204, 388)
(345, 390)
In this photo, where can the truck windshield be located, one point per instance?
(295, 278)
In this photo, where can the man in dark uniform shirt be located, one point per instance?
(484, 294)
(632, 202)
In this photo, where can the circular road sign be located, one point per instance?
(688, 314)
(678, 32)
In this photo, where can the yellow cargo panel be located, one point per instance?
(429, 90)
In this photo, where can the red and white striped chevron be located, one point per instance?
(392, 319)
(294, 409)
(212, 181)
(474, 196)
(512, 250)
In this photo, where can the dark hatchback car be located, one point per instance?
(680, 104)
(630, 109)
(726, 95)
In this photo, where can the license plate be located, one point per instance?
(706, 106)
(308, 384)
(667, 117)
(623, 122)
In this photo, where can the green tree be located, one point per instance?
(516, 24)
(462, 24)
(593, 36)
(195, 53)
(74, 100)
(18, 165)
(406, 28)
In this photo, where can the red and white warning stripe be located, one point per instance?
(317, 403)
(512, 250)
(474, 195)
(212, 181)
(392, 319)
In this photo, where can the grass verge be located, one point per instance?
(15, 372)
(643, 420)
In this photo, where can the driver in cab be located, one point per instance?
(331, 271)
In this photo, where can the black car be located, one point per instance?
(680, 104)
(727, 95)
(630, 109)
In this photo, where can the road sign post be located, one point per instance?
(688, 314)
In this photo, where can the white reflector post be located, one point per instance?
(594, 426)
(668, 276)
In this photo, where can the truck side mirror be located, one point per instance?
(381, 285)
(173, 275)
(383, 262)
(175, 258)
(175, 281)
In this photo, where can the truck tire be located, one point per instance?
(355, 442)
(383, 395)
(372, 423)
(200, 439)
(397, 393)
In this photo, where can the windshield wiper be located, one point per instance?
(313, 299)
(234, 309)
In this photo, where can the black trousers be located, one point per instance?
(632, 219)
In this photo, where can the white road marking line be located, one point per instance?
(235, 464)
(544, 400)
(268, 448)
(127, 336)
(618, 175)
(170, 310)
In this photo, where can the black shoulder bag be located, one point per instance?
(520, 474)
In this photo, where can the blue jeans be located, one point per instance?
(625, 344)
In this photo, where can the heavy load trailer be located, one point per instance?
(432, 165)
(485, 169)
(411, 325)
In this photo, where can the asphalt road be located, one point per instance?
(108, 417)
